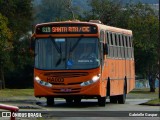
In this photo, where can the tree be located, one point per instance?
(5, 47)
(19, 15)
(55, 10)
(145, 25)
(107, 11)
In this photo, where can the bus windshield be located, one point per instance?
(66, 53)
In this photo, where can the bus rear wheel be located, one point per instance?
(122, 98)
(50, 101)
(101, 101)
(113, 99)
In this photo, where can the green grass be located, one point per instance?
(16, 92)
(154, 102)
(144, 91)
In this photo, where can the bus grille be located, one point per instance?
(75, 83)
(66, 74)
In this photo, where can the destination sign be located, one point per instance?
(66, 29)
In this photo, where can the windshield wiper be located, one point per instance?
(59, 50)
(56, 46)
(75, 45)
(60, 59)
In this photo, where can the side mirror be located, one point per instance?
(32, 46)
(105, 49)
(32, 43)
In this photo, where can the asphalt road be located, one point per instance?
(86, 110)
(91, 105)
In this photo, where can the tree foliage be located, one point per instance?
(5, 35)
(105, 10)
(55, 10)
(19, 16)
(145, 26)
(5, 46)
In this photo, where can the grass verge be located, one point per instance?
(154, 102)
(16, 92)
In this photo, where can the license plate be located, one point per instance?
(66, 90)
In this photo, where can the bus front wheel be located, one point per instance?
(69, 100)
(101, 101)
(50, 101)
(77, 100)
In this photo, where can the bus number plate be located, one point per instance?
(66, 90)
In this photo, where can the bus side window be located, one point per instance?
(119, 46)
(115, 47)
(114, 50)
(122, 49)
(108, 43)
(127, 47)
(132, 47)
(127, 44)
(111, 45)
(124, 46)
(131, 44)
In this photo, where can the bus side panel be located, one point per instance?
(121, 71)
(130, 75)
(116, 87)
(116, 83)
(127, 75)
(132, 82)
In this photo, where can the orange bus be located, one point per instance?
(76, 60)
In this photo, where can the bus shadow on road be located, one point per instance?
(71, 105)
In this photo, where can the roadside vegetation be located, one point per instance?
(144, 93)
(153, 102)
(15, 93)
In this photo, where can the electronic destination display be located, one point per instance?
(66, 29)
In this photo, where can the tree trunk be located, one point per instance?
(2, 78)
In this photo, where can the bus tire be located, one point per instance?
(50, 101)
(108, 87)
(122, 98)
(113, 99)
(101, 101)
(77, 100)
(69, 100)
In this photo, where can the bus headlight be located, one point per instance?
(93, 80)
(47, 84)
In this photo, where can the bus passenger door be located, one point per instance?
(103, 63)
